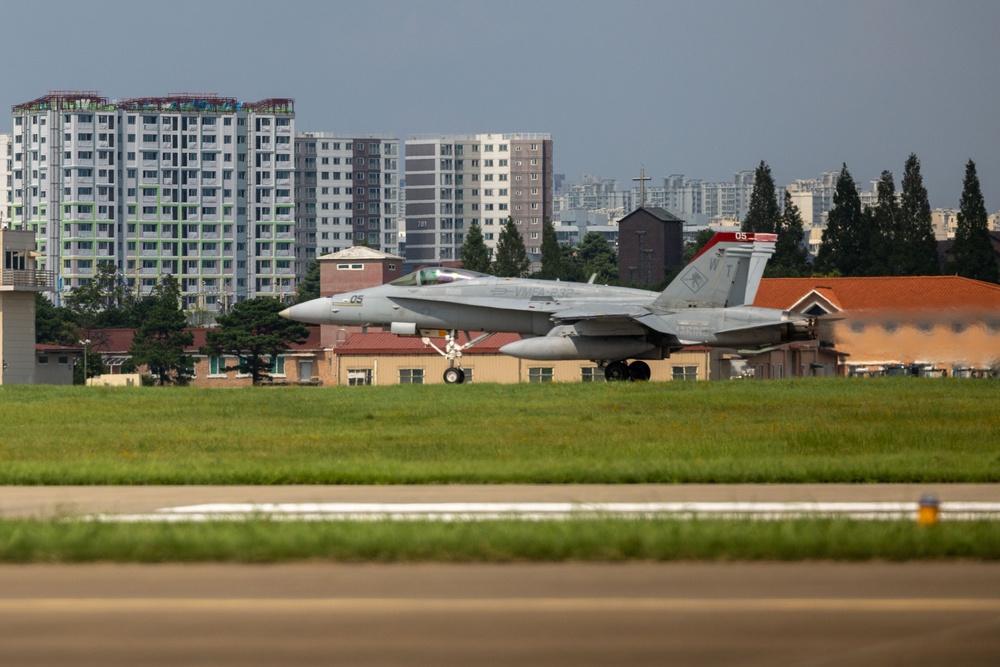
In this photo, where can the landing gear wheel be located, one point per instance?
(454, 376)
(617, 371)
(639, 371)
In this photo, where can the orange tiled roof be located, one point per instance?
(881, 293)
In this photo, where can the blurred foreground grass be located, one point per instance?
(262, 541)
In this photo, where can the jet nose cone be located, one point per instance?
(316, 311)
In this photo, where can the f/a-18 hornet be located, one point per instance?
(706, 304)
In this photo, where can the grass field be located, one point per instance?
(261, 541)
(805, 430)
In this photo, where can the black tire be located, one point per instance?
(454, 376)
(617, 371)
(639, 370)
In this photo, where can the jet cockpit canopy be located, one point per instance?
(436, 275)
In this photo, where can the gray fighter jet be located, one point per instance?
(707, 304)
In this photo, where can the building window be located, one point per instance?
(411, 376)
(591, 374)
(277, 366)
(685, 372)
(540, 374)
(359, 376)
(217, 366)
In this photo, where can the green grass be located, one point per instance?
(262, 541)
(816, 430)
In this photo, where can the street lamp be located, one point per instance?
(85, 342)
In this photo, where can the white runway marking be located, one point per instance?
(761, 511)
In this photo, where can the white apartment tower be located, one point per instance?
(347, 194)
(6, 178)
(457, 180)
(194, 185)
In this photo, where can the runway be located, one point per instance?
(51, 501)
(526, 614)
(580, 614)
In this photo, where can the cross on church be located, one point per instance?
(642, 186)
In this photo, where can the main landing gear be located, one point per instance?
(621, 371)
(453, 353)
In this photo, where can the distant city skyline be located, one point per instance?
(701, 89)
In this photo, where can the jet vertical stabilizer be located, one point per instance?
(726, 272)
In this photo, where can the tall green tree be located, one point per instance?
(55, 325)
(598, 257)
(916, 247)
(972, 253)
(474, 254)
(791, 259)
(572, 266)
(101, 302)
(701, 239)
(844, 236)
(880, 231)
(552, 255)
(309, 288)
(763, 214)
(254, 333)
(511, 259)
(160, 341)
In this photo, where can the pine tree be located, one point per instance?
(161, 339)
(972, 253)
(598, 257)
(878, 245)
(763, 214)
(254, 333)
(915, 244)
(551, 253)
(511, 260)
(842, 238)
(309, 288)
(791, 259)
(474, 254)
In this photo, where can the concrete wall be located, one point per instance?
(17, 337)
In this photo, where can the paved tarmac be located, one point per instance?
(47, 501)
(806, 614)
(580, 614)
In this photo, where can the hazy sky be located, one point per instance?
(703, 88)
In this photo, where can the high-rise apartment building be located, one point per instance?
(6, 179)
(347, 194)
(454, 181)
(194, 185)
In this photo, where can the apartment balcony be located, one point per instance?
(27, 280)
